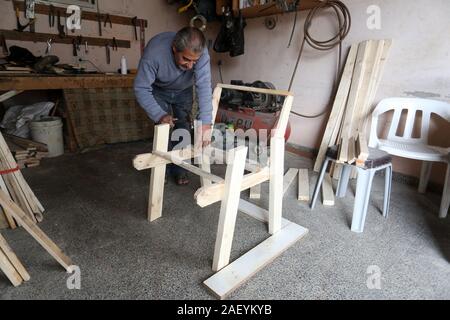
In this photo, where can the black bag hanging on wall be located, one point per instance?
(231, 37)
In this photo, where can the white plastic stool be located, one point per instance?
(378, 160)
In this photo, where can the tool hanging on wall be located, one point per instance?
(135, 25)
(61, 27)
(49, 47)
(21, 27)
(99, 20)
(142, 35)
(3, 45)
(107, 20)
(86, 47)
(51, 16)
(108, 53)
(29, 12)
(114, 44)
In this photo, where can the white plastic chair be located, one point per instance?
(414, 148)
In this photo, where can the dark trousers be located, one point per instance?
(179, 105)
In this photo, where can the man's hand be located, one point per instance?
(168, 119)
(204, 132)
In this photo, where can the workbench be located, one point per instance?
(100, 108)
(25, 82)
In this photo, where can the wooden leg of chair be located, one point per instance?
(276, 184)
(445, 205)
(158, 175)
(229, 209)
(425, 176)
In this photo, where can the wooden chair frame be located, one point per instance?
(215, 189)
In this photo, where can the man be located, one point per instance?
(171, 65)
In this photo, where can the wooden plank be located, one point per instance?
(191, 168)
(150, 160)
(354, 96)
(276, 184)
(22, 194)
(256, 90)
(158, 175)
(363, 150)
(25, 143)
(327, 191)
(85, 15)
(379, 75)
(43, 37)
(283, 118)
(35, 231)
(205, 163)
(352, 151)
(9, 218)
(303, 185)
(10, 94)
(337, 113)
(258, 213)
(223, 283)
(207, 196)
(255, 192)
(49, 82)
(9, 270)
(289, 178)
(13, 259)
(229, 209)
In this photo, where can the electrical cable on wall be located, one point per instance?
(344, 21)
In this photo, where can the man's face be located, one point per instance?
(186, 59)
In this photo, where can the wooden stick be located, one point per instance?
(34, 231)
(229, 209)
(337, 113)
(158, 175)
(256, 90)
(276, 184)
(9, 218)
(195, 170)
(13, 259)
(354, 95)
(9, 270)
(207, 196)
(327, 191)
(303, 185)
(289, 178)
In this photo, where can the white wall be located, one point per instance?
(419, 64)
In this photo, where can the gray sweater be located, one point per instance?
(158, 69)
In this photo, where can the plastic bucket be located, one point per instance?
(49, 130)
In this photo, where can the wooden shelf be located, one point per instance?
(44, 37)
(85, 15)
(263, 10)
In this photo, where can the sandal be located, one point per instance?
(182, 179)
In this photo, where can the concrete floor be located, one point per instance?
(96, 212)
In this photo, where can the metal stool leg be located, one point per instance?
(387, 191)
(363, 190)
(319, 183)
(342, 187)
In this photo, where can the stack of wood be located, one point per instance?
(20, 207)
(15, 188)
(353, 105)
(9, 263)
(27, 153)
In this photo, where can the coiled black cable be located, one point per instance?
(344, 22)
